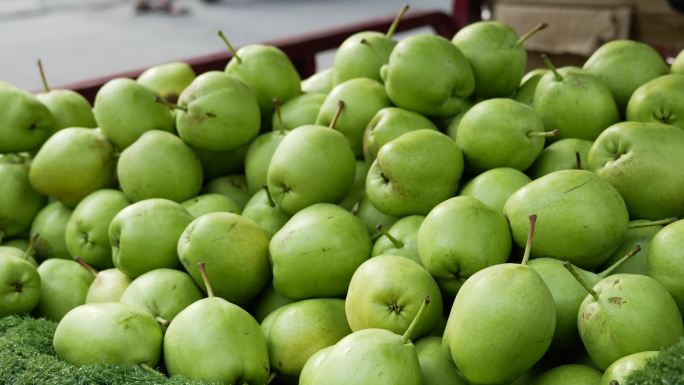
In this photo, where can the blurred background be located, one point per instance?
(86, 39)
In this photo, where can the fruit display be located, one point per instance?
(422, 213)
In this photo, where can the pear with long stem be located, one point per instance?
(108, 285)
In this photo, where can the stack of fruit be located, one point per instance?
(363, 226)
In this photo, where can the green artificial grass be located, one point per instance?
(667, 368)
(27, 358)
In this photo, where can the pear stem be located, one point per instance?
(279, 115)
(546, 134)
(230, 47)
(2, 235)
(530, 236)
(617, 264)
(397, 243)
(375, 51)
(31, 245)
(417, 320)
(529, 34)
(578, 160)
(42, 76)
(660, 222)
(86, 266)
(340, 107)
(579, 279)
(150, 369)
(395, 23)
(553, 69)
(205, 278)
(271, 202)
(271, 378)
(167, 103)
(163, 322)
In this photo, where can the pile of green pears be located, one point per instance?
(423, 212)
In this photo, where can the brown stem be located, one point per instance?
(205, 278)
(530, 236)
(230, 47)
(617, 264)
(579, 279)
(531, 32)
(163, 322)
(395, 23)
(86, 265)
(42, 76)
(375, 51)
(340, 106)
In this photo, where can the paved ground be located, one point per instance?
(82, 39)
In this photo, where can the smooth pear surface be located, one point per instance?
(388, 124)
(68, 109)
(168, 80)
(49, 226)
(20, 202)
(354, 59)
(666, 260)
(64, 285)
(494, 187)
(19, 286)
(108, 286)
(26, 123)
(659, 101)
(561, 155)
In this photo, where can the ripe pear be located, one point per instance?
(390, 123)
(317, 251)
(298, 111)
(666, 260)
(451, 245)
(569, 374)
(362, 99)
(210, 203)
(50, 227)
(436, 364)
(306, 154)
(320, 82)
(108, 286)
(73, 163)
(168, 80)
(414, 172)
(215, 340)
(494, 187)
(358, 189)
(108, 333)
(636, 157)
(361, 55)
(677, 66)
(233, 186)
(258, 157)
(64, 285)
(658, 101)
(68, 108)
(236, 251)
(19, 202)
(220, 163)
(387, 291)
(582, 218)
(370, 216)
(218, 112)
(641, 232)
(19, 286)
(576, 103)
(144, 236)
(125, 109)
(619, 371)
(421, 60)
(25, 122)
(400, 239)
(262, 209)
(528, 85)
(623, 66)
(297, 330)
(87, 230)
(159, 165)
(496, 54)
(561, 155)
(501, 322)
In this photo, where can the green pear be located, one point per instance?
(435, 364)
(677, 66)
(219, 163)
(370, 216)
(400, 239)
(144, 236)
(19, 202)
(73, 163)
(641, 232)
(217, 112)
(298, 111)
(528, 85)
(637, 159)
(258, 157)
(262, 209)
(236, 250)
(168, 80)
(624, 65)
(216, 341)
(267, 302)
(163, 293)
(108, 286)
(68, 108)
(388, 124)
(414, 172)
(25, 124)
(50, 224)
(421, 60)
(361, 55)
(619, 371)
(450, 242)
(576, 103)
(501, 322)
(306, 154)
(210, 203)
(87, 230)
(159, 165)
(582, 218)
(569, 374)
(494, 187)
(320, 82)
(496, 54)
(125, 109)
(561, 155)
(297, 330)
(387, 291)
(666, 260)
(317, 251)
(20, 248)
(268, 71)
(453, 122)
(233, 186)
(658, 101)
(108, 333)
(63, 286)
(362, 99)
(358, 189)
(19, 286)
